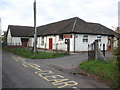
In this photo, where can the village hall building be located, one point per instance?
(53, 36)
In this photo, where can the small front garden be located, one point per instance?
(27, 52)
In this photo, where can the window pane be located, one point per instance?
(60, 37)
(42, 41)
(98, 36)
(85, 38)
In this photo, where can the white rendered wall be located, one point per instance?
(9, 37)
(83, 46)
(79, 44)
(16, 40)
(13, 40)
(55, 40)
(30, 42)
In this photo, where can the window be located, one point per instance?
(61, 37)
(99, 38)
(42, 40)
(85, 38)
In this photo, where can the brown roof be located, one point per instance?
(74, 25)
(20, 31)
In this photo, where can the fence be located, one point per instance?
(14, 44)
(91, 51)
(55, 47)
(94, 52)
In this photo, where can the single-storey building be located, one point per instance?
(80, 33)
(18, 35)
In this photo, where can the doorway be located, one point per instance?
(24, 42)
(50, 43)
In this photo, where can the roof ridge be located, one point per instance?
(20, 26)
(58, 21)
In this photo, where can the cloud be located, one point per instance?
(20, 12)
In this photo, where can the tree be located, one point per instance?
(4, 38)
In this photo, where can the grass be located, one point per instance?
(106, 71)
(25, 52)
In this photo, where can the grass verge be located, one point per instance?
(108, 72)
(25, 52)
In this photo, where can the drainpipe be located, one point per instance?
(73, 31)
(74, 42)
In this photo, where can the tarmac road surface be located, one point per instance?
(19, 72)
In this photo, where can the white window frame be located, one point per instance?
(61, 39)
(99, 38)
(85, 39)
(42, 40)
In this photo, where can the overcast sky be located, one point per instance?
(20, 12)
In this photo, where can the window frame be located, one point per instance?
(85, 38)
(42, 40)
(99, 38)
(61, 39)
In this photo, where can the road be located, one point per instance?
(19, 72)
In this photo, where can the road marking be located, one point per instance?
(69, 83)
(17, 58)
(21, 58)
(44, 72)
(37, 68)
(53, 77)
(57, 80)
(24, 64)
(14, 58)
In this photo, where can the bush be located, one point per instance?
(115, 51)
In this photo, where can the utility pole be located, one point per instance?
(119, 14)
(0, 28)
(35, 29)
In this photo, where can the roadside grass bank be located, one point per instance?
(107, 72)
(26, 52)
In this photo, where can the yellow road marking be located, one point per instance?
(57, 80)
(52, 78)
(17, 58)
(37, 68)
(44, 72)
(14, 58)
(35, 65)
(20, 58)
(68, 84)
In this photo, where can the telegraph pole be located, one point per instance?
(0, 28)
(35, 29)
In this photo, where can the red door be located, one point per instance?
(24, 42)
(50, 43)
(109, 44)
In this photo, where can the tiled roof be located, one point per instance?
(72, 25)
(20, 31)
